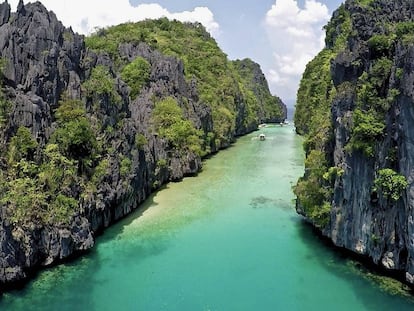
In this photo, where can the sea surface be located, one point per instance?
(228, 239)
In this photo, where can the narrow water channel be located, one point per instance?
(228, 239)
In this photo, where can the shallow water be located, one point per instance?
(228, 239)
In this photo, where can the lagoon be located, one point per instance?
(228, 239)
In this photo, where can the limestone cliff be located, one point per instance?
(88, 131)
(357, 114)
(253, 77)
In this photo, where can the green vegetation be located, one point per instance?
(100, 171)
(4, 103)
(140, 141)
(365, 3)
(332, 173)
(385, 283)
(41, 185)
(313, 120)
(22, 146)
(405, 32)
(4, 110)
(22, 197)
(383, 44)
(404, 28)
(108, 40)
(219, 83)
(399, 73)
(366, 131)
(125, 166)
(374, 99)
(316, 91)
(315, 97)
(390, 183)
(338, 29)
(101, 84)
(169, 122)
(380, 45)
(63, 208)
(314, 190)
(372, 96)
(57, 173)
(256, 93)
(3, 63)
(74, 134)
(380, 73)
(136, 75)
(161, 163)
(38, 193)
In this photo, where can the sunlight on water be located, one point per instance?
(228, 239)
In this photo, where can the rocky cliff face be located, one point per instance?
(271, 108)
(60, 190)
(363, 192)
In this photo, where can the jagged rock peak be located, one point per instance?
(26, 12)
(4, 13)
(20, 8)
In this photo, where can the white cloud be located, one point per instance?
(296, 36)
(85, 15)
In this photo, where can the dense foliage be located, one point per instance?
(43, 184)
(38, 193)
(74, 134)
(136, 74)
(169, 123)
(101, 84)
(313, 120)
(390, 183)
(372, 98)
(367, 129)
(219, 82)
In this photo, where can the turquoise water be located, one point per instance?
(228, 239)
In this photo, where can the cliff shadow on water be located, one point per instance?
(356, 270)
(50, 285)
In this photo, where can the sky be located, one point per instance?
(281, 35)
